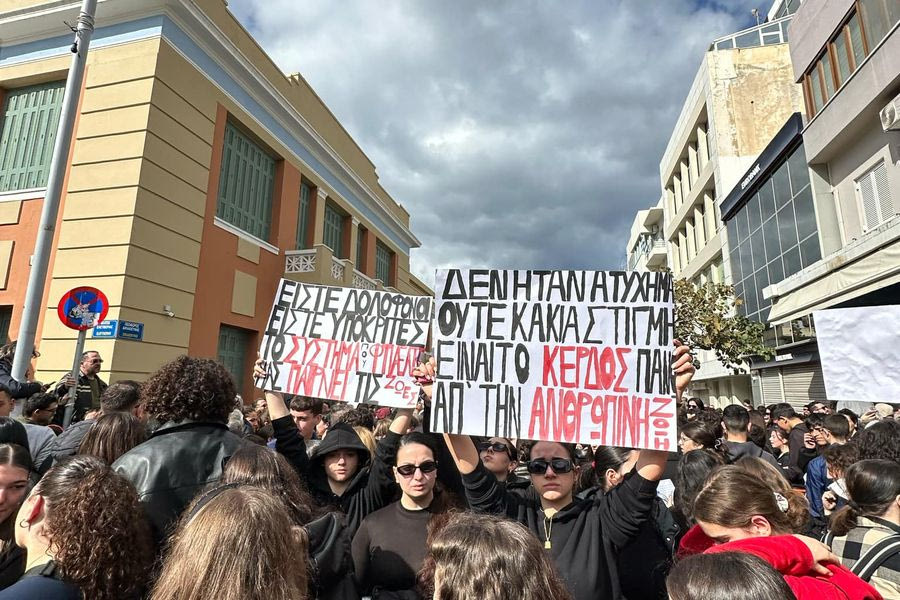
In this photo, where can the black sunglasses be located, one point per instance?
(409, 470)
(539, 466)
(495, 446)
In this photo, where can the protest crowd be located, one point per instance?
(176, 489)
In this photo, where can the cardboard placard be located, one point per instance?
(345, 344)
(569, 356)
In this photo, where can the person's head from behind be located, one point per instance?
(13, 432)
(40, 408)
(765, 472)
(484, 557)
(15, 469)
(736, 421)
(416, 469)
(367, 438)
(836, 429)
(612, 464)
(235, 542)
(123, 396)
(838, 458)
(874, 488)
(726, 576)
(735, 505)
(187, 388)
(112, 435)
(693, 470)
(553, 472)
(87, 518)
(306, 413)
(499, 456)
(879, 440)
(783, 416)
(260, 467)
(696, 435)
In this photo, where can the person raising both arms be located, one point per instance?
(583, 536)
(339, 473)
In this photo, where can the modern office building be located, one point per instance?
(846, 56)
(646, 249)
(741, 96)
(200, 174)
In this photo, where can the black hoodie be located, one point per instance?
(586, 535)
(372, 487)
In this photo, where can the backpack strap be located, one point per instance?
(828, 538)
(875, 556)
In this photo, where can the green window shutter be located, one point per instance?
(334, 230)
(246, 184)
(383, 263)
(232, 353)
(30, 117)
(5, 319)
(303, 217)
(360, 250)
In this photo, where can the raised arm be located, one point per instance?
(288, 441)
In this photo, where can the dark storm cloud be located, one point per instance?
(521, 133)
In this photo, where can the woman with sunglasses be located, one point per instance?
(582, 536)
(499, 457)
(390, 546)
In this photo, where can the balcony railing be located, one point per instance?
(764, 34)
(363, 282)
(300, 261)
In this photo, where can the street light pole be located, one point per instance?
(40, 262)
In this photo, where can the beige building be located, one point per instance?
(741, 96)
(200, 175)
(646, 249)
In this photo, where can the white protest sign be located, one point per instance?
(859, 349)
(569, 356)
(344, 344)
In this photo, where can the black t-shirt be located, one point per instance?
(389, 549)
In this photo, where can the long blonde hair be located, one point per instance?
(235, 543)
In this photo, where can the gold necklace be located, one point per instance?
(548, 527)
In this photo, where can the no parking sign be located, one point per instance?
(82, 308)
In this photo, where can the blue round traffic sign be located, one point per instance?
(82, 308)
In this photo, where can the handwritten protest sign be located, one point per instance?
(570, 356)
(344, 344)
(859, 349)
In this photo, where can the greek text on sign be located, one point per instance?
(345, 344)
(569, 356)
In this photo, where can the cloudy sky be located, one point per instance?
(518, 133)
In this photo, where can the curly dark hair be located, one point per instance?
(359, 416)
(97, 529)
(879, 440)
(199, 389)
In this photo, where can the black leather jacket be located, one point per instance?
(178, 461)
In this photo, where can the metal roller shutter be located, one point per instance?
(803, 384)
(770, 380)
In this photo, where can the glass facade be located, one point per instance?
(773, 235)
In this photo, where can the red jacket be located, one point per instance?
(790, 557)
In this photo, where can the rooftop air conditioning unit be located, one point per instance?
(890, 115)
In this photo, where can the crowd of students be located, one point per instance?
(176, 489)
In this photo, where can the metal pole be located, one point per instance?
(37, 278)
(76, 372)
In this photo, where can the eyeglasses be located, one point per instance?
(692, 406)
(426, 467)
(497, 447)
(539, 466)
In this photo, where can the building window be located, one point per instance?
(360, 246)
(232, 352)
(383, 259)
(303, 217)
(246, 184)
(848, 48)
(5, 319)
(334, 230)
(30, 118)
(875, 197)
(774, 234)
